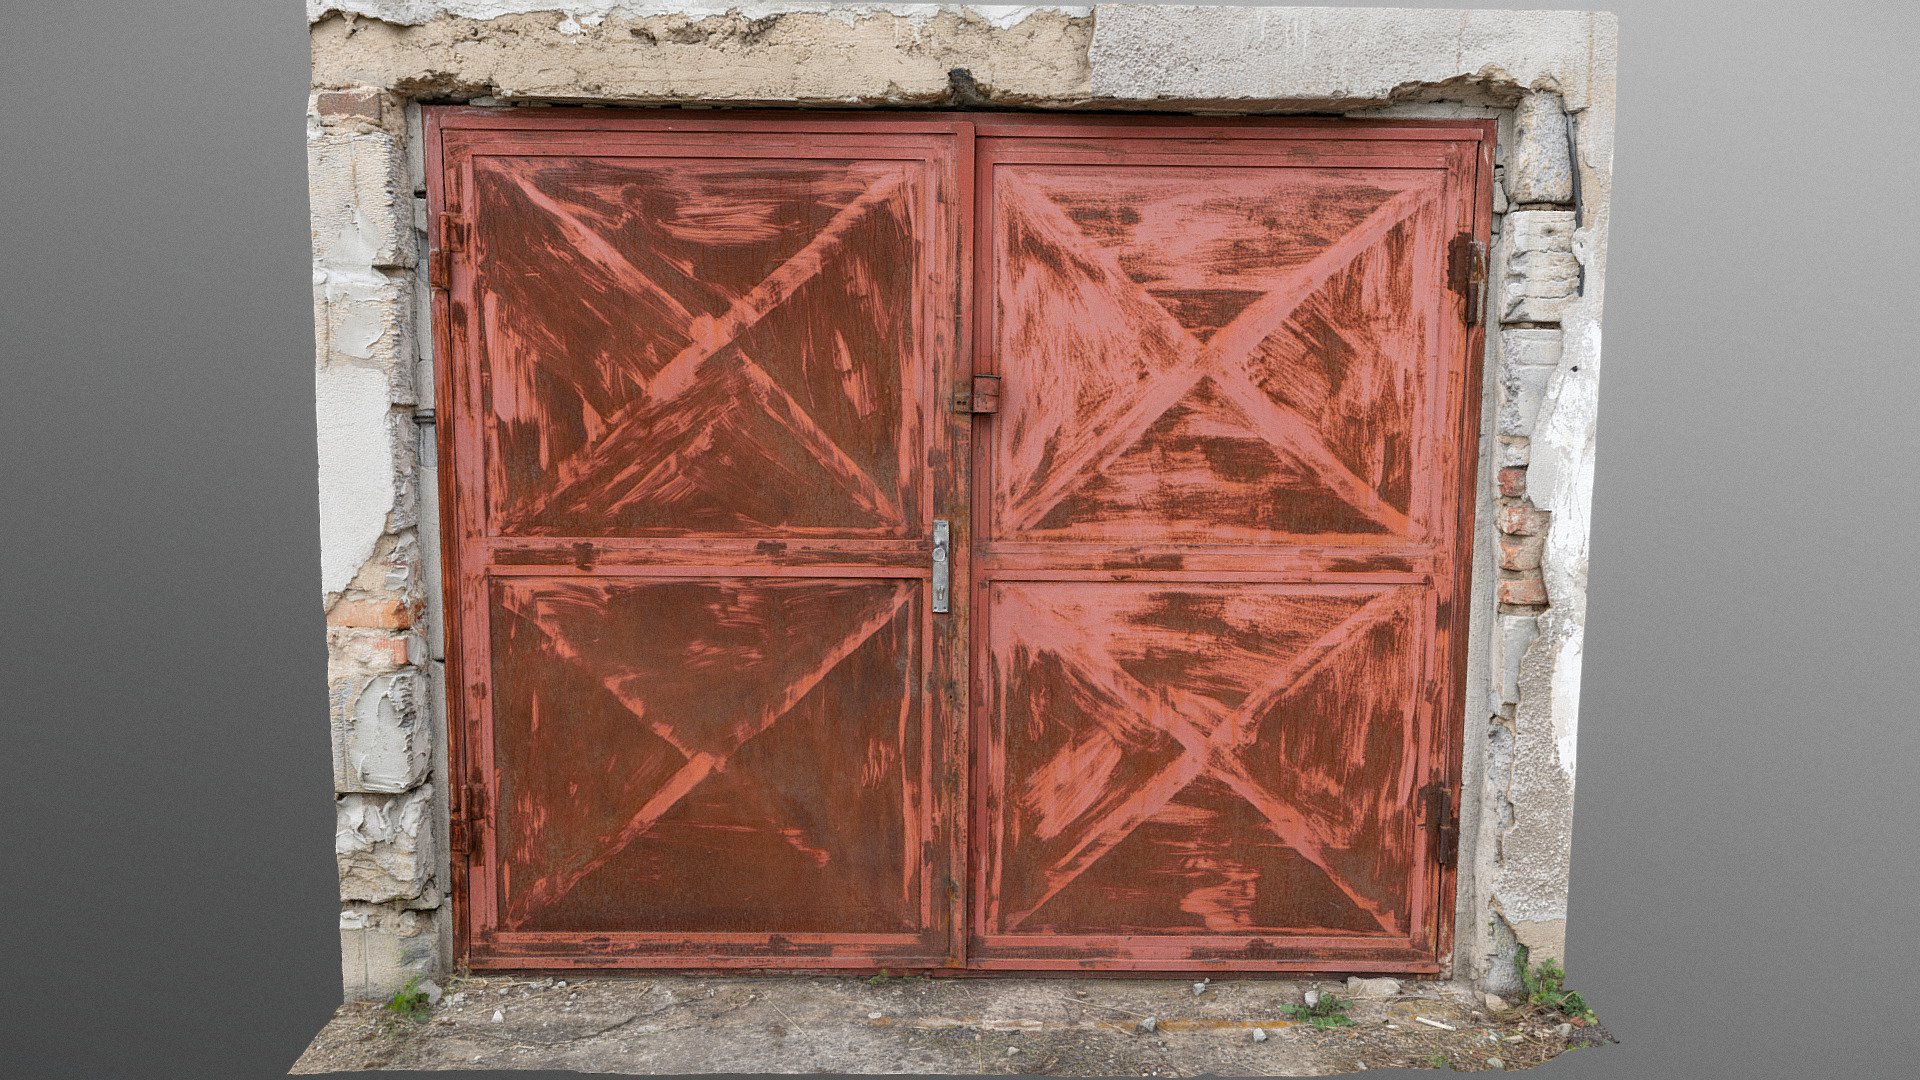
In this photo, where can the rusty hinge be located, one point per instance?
(448, 236)
(464, 822)
(1442, 823)
(1467, 274)
(981, 396)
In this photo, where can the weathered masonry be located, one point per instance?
(1008, 488)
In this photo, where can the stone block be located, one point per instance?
(1512, 482)
(1538, 271)
(1520, 520)
(1354, 56)
(360, 104)
(362, 210)
(384, 847)
(1521, 552)
(1540, 166)
(1522, 389)
(382, 739)
(361, 317)
(1516, 632)
(381, 948)
(1524, 591)
(1514, 451)
(1524, 346)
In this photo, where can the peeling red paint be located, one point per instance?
(699, 383)
(1215, 509)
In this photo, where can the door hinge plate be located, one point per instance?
(982, 395)
(1467, 274)
(466, 819)
(448, 236)
(1443, 823)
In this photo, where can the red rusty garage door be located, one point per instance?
(1184, 692)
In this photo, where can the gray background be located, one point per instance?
(1745, 901)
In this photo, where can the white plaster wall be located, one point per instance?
(356, 470)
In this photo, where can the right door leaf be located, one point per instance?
(1220, 548)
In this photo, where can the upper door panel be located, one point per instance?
(696, 340)
(1214, 348)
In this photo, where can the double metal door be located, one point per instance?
(954, 541)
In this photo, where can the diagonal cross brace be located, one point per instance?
(699, 764)
(1215, 754)
(1220, 357)
(709, 336)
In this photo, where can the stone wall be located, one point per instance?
(1547, 77)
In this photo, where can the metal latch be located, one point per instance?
(1467, 274)
(981, 396)
(942, 566)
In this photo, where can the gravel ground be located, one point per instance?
(679, 1024)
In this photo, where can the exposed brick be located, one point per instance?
(362, 103)
(1513, 482)
(1527, 591)
(380, 614)
(1521, 552)
(1520, 520)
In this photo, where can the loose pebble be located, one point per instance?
(1496, 1064)
(1372, 988)
(1259, 1034)
(1149, 1024)
(498, 1016)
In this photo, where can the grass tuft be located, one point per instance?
(1325, 1014)
(410, 1002)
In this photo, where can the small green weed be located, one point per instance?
(410, 1002)
(1439, 1061)
(881, 979)
(1545, 983)
(1325, 1013)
